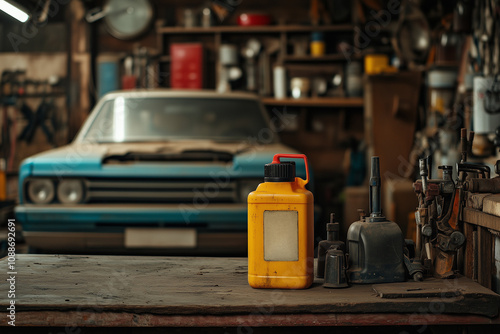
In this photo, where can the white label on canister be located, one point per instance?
(281, 235)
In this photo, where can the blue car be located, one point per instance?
(156, 170)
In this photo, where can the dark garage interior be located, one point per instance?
(250, 166)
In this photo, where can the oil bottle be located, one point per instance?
(281, 228)
(332, 241)
(375, 244)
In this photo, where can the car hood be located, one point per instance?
(80, 159)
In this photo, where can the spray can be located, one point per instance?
(281, 228)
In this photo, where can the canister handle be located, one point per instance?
(276, 160)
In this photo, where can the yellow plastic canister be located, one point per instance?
(376, 63)
(281, 228)
(317, 48)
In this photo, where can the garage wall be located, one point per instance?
(38, 66)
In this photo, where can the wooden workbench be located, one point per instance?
(482, 247)
(64, 290)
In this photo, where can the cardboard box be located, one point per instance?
(399, 201)
(355, 198)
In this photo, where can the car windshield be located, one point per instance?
(164, 119)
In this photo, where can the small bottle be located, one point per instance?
(332, 242)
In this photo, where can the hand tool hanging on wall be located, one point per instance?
(38, 118)
(6, 142)
(11, 88)
(35, 120)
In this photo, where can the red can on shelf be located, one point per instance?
(186, 66)
(254, 19)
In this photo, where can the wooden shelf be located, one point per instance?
(254, 29)
(346, 102)
(309, 58)
(165, 59)
(444, 63)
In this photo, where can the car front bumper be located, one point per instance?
(219, 227)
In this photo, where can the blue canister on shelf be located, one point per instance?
(108, 74)
(317, 36)
(317, 44)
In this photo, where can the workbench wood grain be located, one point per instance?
(70, 288)
(491, 205)
(475, 200)
(487, 203)
(481, 218)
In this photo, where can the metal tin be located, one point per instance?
(335, 269)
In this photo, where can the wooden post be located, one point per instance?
(79, 68)
(469, 250)
(217, 45)
(484, 257)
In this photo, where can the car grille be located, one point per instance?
(160, 191)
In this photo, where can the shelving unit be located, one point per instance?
(255, 29)
(341, 117)
(339, 102)
(312, 59)
(214, 37)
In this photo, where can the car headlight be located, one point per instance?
(41, 191)
(247, 186)
(70, 191)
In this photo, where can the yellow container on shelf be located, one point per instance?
(317, 48)
(376, 63)
(281, 228)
